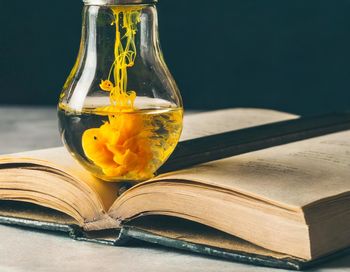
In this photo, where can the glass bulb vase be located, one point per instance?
(120, 111)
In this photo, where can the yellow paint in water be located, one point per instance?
(131, 144)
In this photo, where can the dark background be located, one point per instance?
(291, 55)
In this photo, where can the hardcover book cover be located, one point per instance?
(165, 231)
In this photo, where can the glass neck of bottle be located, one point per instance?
(99, 31)
(119, 47)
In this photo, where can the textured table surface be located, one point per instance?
(26, 250)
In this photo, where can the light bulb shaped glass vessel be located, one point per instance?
(120, 111)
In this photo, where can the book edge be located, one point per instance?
(129, 233)
(73, 231)
(237, 256)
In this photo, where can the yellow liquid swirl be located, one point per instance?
(130, 144)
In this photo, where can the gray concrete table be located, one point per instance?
(23, 128)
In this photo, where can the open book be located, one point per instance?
(285, 206)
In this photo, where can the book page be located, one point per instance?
(214, 122)
(60, 159)
(291, 175)
(195, 125)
